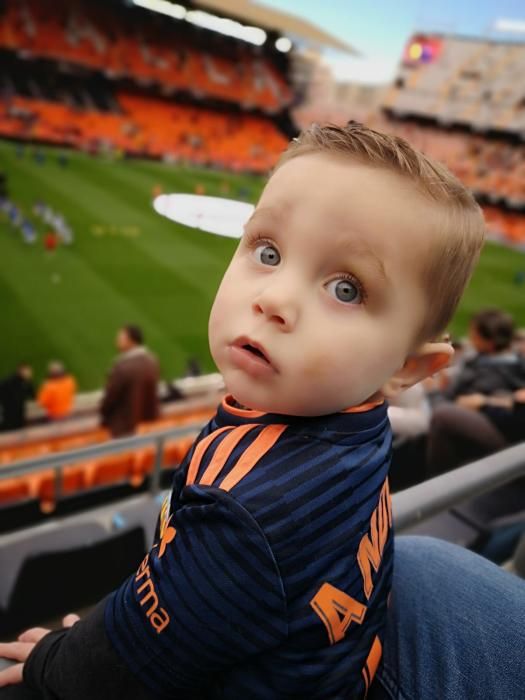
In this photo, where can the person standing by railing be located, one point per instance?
(130, 396)
(57, 393)
(15, 391)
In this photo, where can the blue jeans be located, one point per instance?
(456, 628)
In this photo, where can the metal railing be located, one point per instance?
(410, 507)
(57, 460)
(421, 502)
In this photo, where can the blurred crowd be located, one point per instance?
(55, 395)
(90, 111)
(128, 42)
(149, 126)
(132, 393)
(488, 166)
(471, 409)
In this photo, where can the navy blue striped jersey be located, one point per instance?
(271, 566)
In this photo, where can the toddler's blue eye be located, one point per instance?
(267, 255)
(345, 291)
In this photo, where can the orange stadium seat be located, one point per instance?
(38, 448)
(72, 480)
(110, 40)
(13, 490)
(174, 452)
(143, 462)
(154, 127)
(112, 470)
(131, 467)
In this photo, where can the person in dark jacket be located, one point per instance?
(479, 417)
(131, 389)
(15, 390)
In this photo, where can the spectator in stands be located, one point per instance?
(246, 591)
(193, 367)
(15, 391)
(519, 342)
(57, 393)
(479, 417)
(409, 413)
(131, 390)
(462, 352)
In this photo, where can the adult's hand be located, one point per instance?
(472, 401)
(20, 650)
(519, 395)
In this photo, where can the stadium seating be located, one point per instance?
(493, 169)
(152, 127)
(25, 450)
(131, 84)
(14, 490)
(454, 79)
(92, 481)
(62, 555)
(132, 43)
(460, 101)
(65, 578)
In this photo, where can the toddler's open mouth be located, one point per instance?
(252, 357)
(256, 351)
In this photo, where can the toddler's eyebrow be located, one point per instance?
(362, 249)
(265, 213)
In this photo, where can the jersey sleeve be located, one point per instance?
(207, 596)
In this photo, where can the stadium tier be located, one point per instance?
(106, 76)
(494, 168)
(458, 80)
(129, 42)
(461, 101)
(150, 127)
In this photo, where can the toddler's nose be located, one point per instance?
(283, 314)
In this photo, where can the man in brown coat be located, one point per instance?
(131, 390)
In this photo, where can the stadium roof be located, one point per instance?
(268, 17)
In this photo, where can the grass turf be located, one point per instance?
(128, 264)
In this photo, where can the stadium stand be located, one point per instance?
(460, 101)
(79, 484)
(138, 45)
(63, 554)
(105, 76)
(493, 169)
(453, 79)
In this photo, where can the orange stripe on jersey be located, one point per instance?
(363, 407)
(366, 679)
(199, 453)
(259, 447)
(222, 453)
(372, 662)
(241, 412)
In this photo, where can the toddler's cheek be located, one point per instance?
(317, 366)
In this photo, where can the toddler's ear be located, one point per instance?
(428, 359)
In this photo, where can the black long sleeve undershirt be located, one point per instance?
(79, 663)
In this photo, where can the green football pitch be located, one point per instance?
(129, 265)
